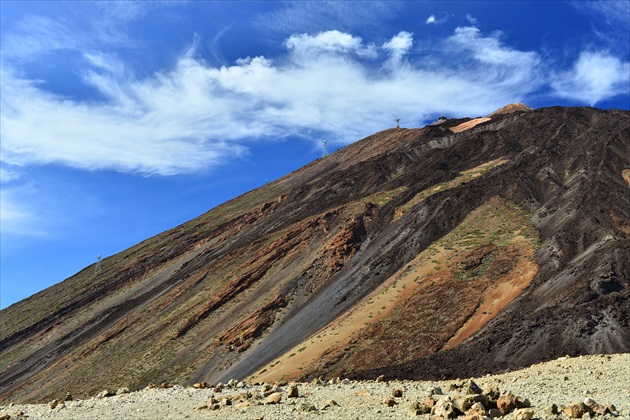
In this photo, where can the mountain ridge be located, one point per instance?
(232, 290)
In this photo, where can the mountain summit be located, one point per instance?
(458, 249)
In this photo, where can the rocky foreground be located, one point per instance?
(585, 386)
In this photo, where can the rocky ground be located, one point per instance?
(600, 381)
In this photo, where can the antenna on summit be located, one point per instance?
(97, 267)
(324, 147)
(397, 122)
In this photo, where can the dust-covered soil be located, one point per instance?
(602, 378)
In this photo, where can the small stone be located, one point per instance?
(380, 378)
(417, 408)
(495, 413)
(274, 398)
(232, 383)
(523, 414)
(464, 402)
(218, 388)
(5, 416)
(506, 403)
(470, 387)
(492, 392)
(240, 384)
(436, 390)
(329, 403)
(397, 393)
(552, 410)
(105, 393)
(68, 397)
(444, 409)
(201, 385)
(523, 402)
(292, 391)
(430, 401)
(576, 410)
(53, 404)
(345, 381)
(389, 401)
(477, 409)
(121, 391)
(165, 385)
(307, 407)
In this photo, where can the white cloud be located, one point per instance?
(430, 19)
(398, 46)
(306, 45)
(595, 76)
(471, 19)
(196, 116)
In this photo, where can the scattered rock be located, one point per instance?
(552, 410)
(464, 402)
(417, 409)
(274, 398)
(397, 393)
(576, 410)
(523, 414)
(292, 391)
(329, 403)
(307, 407)
(470, 387)
(444, 409)
(477, 409)
(436, 390)
(105, 393)
(495, 413)
(389, 401)
(345, 381)
(380, 378)
(492, 392)
(506, 403)
(122, 391)
(201, 385)
(53, 404)
(5, 416)
(68, 397)
(219, 387)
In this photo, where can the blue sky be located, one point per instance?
(120, 120)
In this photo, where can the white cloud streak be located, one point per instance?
(195, 116)
(595, 76)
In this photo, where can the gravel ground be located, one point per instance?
(604, 378)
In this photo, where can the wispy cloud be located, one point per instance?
(16, 217)
(437, 20)
(595, 76)
(195, 116)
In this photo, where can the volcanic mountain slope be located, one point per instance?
(458, 249)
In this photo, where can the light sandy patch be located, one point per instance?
(469, 124)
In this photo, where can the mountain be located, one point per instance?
(458, 249)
